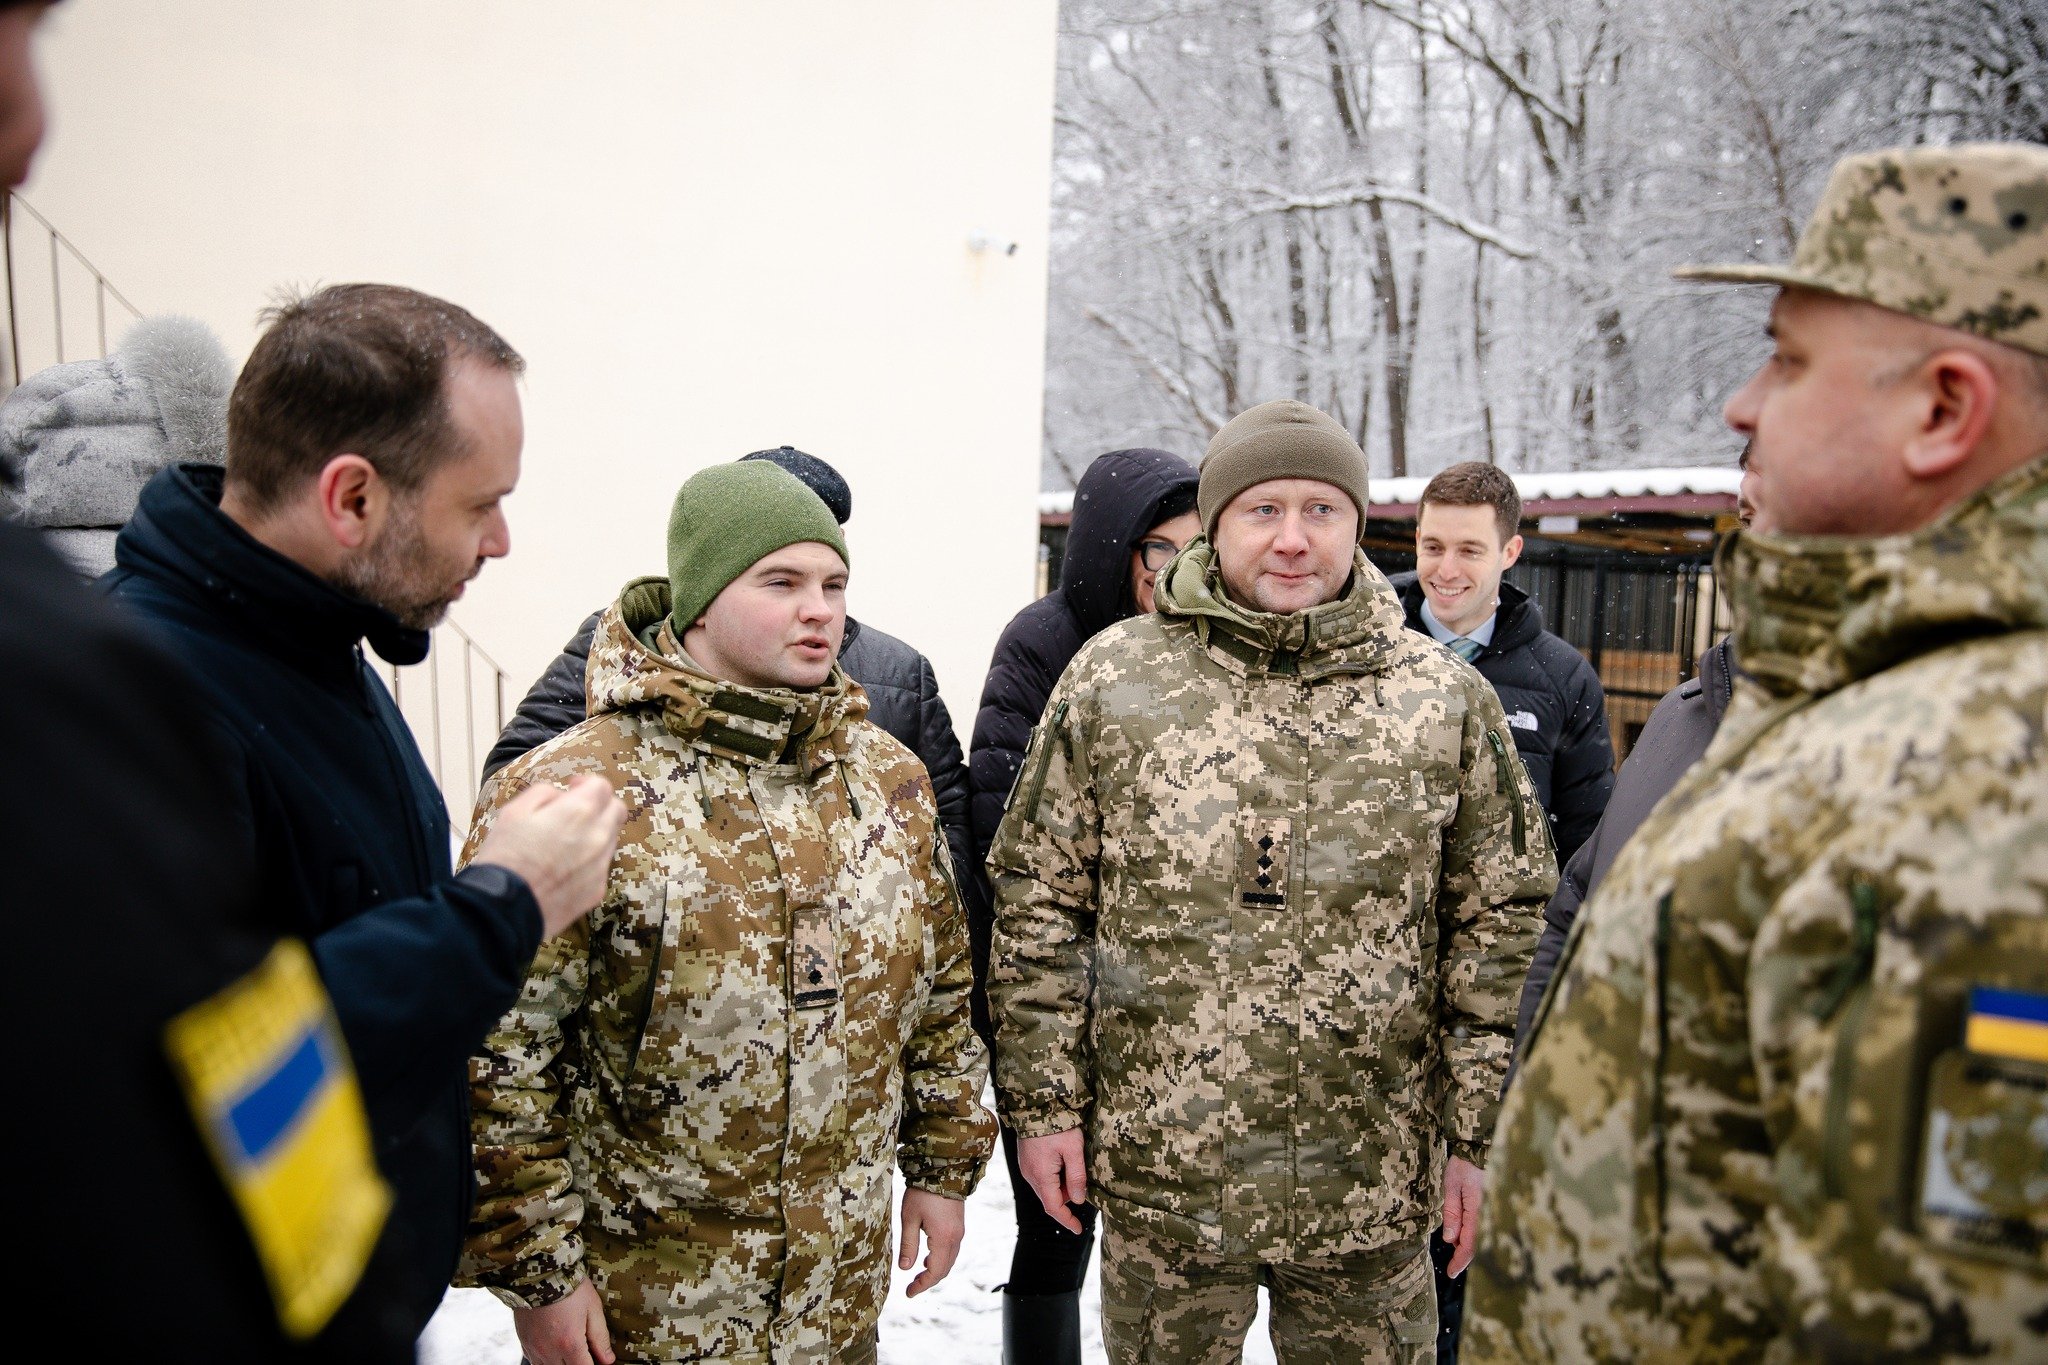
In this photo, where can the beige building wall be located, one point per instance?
(710, 225)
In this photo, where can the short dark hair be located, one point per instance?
(1475, 484)
(360, 368)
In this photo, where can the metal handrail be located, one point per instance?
(444, 711)
(60, 245)
(459, 711)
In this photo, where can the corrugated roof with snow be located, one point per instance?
(1589, 485)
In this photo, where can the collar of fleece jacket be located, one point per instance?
(1355, 633)
(751, 725)
(1815, 613)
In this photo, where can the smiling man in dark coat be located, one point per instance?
(1465, 539)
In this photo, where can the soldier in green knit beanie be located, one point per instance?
(783, 931)
(728, 523)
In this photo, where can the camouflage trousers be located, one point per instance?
(1167, 1303)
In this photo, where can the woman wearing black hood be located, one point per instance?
(1133, 510)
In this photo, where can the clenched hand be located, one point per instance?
(560, 841)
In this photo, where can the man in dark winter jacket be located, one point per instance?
(1465, 539)
(903, 693)
(371, 437)
(134, 928)
(1675, 736)
(1133, 511)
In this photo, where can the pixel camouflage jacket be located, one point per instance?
(1268, 886)
(1746, 1125)
(701, 1094)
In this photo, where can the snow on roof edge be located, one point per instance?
(1588, 483)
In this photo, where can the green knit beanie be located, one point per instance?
(1279, 440)
(729, 517)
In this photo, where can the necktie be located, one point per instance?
(1467, 647)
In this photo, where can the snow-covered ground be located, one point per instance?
(958, 1323)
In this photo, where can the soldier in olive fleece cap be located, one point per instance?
(1787, 1096)
(1267, 889)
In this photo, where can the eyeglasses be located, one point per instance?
(1156, 554)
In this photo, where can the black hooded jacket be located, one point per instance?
(1673, 739)
(1115, 503)
(342, 835)
(1555, 707)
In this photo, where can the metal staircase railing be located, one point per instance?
(456, 709)
(48, 320)
(58, 306)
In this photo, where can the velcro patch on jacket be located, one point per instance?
(1262, 863)
(813, 958)
(1984, 1185)
(264, 1068)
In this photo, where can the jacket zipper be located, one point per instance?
(1660, 1188)
(653, 987)
(1849, 995)
(1036, 790)
(1500, 785)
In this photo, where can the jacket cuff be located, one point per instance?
(1474, 1152)
(949, 1179)
(542, 1289)
(491, 883)
(1042, 1124)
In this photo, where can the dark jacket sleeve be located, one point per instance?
(554, 704)
(1557, 926)
(417, 982)
(1020, 679)
(939, 748)
(1582, 776)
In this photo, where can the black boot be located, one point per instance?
(1042, 1329)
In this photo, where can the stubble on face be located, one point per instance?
(1286, 545)
(401, 572)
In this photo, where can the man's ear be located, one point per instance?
(353, 500)
(1510, 552)
(1956, 393)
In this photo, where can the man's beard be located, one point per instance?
(397, 572)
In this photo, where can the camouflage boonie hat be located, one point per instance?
(1957, 236)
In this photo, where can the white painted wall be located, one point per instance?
(710, 226)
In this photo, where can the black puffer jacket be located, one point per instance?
(1114, 504)
(1555, 707)
(903, 698)
(1677, 733)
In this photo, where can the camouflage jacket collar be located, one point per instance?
(1351, 635)
(750, 725)
(1815, 613)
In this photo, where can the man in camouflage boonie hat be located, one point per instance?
(1268, 885)
(686, 1129)
(1787, 1096)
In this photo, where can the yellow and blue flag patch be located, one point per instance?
(268, 1077)
(2006, 1023)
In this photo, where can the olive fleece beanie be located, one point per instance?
(1279, 440)
(726, 519)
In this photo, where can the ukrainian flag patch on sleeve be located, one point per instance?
(264, 1068)
(2007, 1024)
